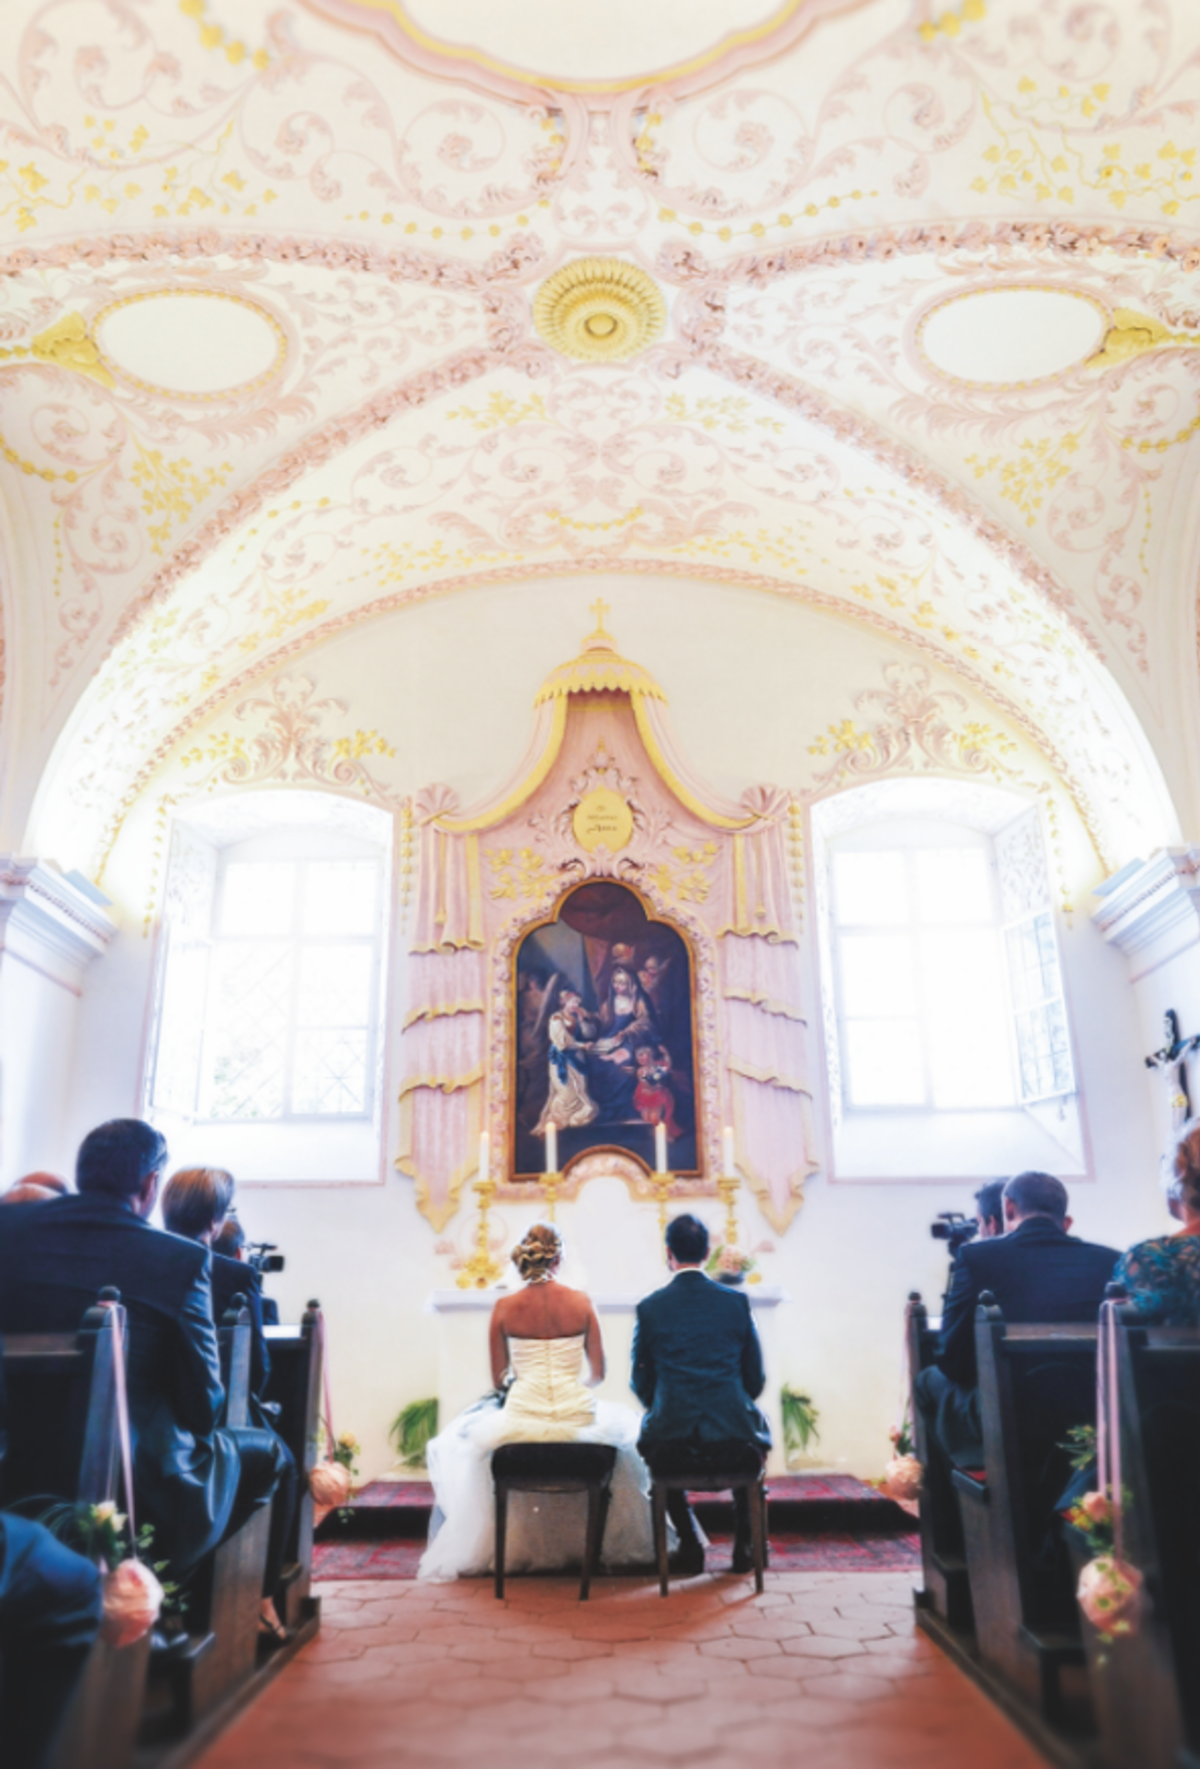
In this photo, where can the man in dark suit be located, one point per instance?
(1036, 1272)
(195, 1481)
(698, 1369)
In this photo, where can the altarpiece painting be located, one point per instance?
(604, 1044)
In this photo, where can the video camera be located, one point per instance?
(264, 1256)
(954, 1227)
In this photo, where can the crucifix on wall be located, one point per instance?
(1172, 1061)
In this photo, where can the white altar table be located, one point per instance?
(463, 1373)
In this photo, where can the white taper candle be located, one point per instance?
(484, 1155)
(552, 1148)
(660, 1147)
(727, 1150)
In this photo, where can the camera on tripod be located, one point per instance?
(264, 1256)
(952, 1226)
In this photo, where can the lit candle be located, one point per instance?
(552, 1148)
(660, 1147)
(484, 1155)
(727, 1148)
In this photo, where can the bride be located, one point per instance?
(543, 1334)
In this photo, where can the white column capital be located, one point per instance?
(1150, 910)
(52, 921)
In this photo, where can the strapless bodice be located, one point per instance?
(547, 1401)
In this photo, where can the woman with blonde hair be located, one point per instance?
(1162, 1276)
(539, 1339)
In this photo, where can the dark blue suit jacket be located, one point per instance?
(230, 1278)
(1037, 1272)
(697, 1365)
(54, 1259)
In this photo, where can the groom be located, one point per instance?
(698, 1369)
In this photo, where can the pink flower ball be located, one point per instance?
(329, 1483)
(133, 1599)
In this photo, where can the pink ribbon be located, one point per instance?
(1108, 1422)
(123, 1432)
(323, 1354)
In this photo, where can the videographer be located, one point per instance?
(230, 1242)
(1036, 1272)
(989, 1210)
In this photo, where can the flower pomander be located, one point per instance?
(329, 1484)
(729, 1265)
(902, 1478)
(133, 1598)
(1110, 1594)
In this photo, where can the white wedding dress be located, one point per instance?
(547, 1403)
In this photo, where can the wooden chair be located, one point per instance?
(225, 1592)
(556, 1468)
(63, 1443)
(947, 1589)
(749, 1478)
(1035, 1383)
(294, 1386)
(1145, 1687)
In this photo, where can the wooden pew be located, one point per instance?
(1147, 1687)
(1035, 1383)
(947, 1590)
(63, 1443)
(294, 1385)
(224, 1592)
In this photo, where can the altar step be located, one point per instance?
(797, 1505)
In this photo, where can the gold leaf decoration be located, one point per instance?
(600, 310)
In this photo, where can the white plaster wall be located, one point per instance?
(752, 682)
(37, 1037)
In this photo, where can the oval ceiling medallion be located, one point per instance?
(575, 46)
(599, 310)
(191, 343)
(1009, 337)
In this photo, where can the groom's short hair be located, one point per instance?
(687, 1239)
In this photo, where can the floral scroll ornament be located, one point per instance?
(915, 734)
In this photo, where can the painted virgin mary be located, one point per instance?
(626, 1021)
(568, 1102)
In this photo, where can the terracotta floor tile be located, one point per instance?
(824, 1670)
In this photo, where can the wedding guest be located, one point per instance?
(195, 1205)
(231, 1241)
(698, 1369)
(35, 1188)
(1037, 1272)
(989, 1210)
(49, 1617)
(1161, 1277)
(196, 1482)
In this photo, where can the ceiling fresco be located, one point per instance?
(929, 354)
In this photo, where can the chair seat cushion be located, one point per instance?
(708, 1461)
(554, 1461)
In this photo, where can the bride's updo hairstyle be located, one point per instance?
(1185, 1186)
(537, 1255)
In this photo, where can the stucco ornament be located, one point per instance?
(600, 310)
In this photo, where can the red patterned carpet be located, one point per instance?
(818, 1523)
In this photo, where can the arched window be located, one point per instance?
(266, 1041)
(947, 1040)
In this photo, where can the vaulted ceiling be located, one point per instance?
(269, 365)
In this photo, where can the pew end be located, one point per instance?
(947, 1591)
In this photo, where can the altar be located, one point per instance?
(462, 1317)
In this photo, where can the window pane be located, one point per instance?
(1043, 1051)
(339, 897)
(870, 889)
(331, 1071)
(249, 1030)
(256, 897)
(877, 978)
(883, 1063)
(1033, 961)
(953, 886)
(968, 1024)
(335, 986)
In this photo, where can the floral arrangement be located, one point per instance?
(799, 1421)
(346, 1451)
(902, 1473)
(729, 1265)
(1110, 1590)
(412, 1429)
(332, 1479)
(134, 1596)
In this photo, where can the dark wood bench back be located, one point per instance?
(234, 1339)
(295, 1386)
(61, 1413)
(1159, 1374)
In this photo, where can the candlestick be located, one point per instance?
(660, 1147)
(552, 1148)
